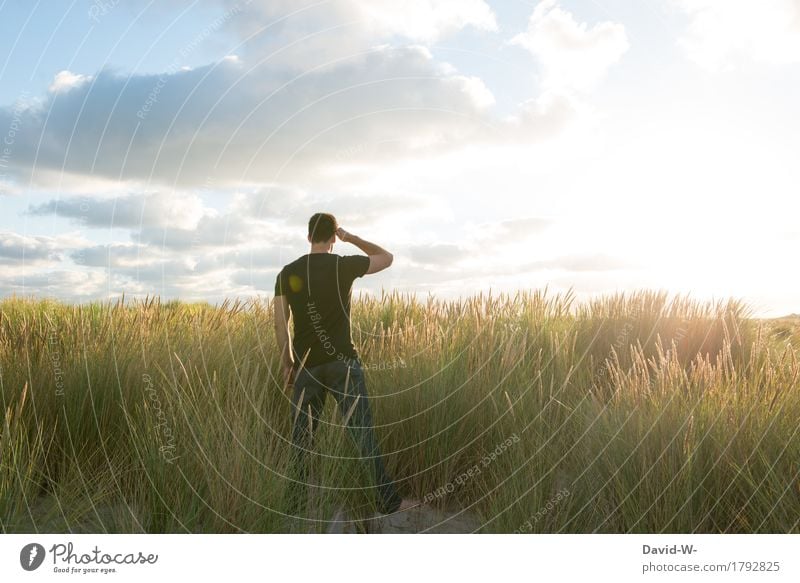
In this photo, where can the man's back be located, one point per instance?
(318, 287)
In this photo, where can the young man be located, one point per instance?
(316, 290)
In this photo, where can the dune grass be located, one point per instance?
(634, 412)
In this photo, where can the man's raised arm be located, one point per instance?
(379, 258)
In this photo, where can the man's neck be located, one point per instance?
(319, 250)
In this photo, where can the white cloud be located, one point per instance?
(480, 242)
(578, 263)
(426, 20)
(17, 249)
(302, 34)
(212, 232)
(174, 210)
(115, 255)
(573, 55)
(524, 226)
(544, 116)
(247, 123)
(66, 285)
(9, 189)
(437, 254)
(142, 269)
(722, 33)
(66, 80)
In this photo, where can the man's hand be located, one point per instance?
(343, 235)
(282, 311)
(379, 258)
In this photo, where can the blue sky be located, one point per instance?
(179, 147)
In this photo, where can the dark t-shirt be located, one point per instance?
(318, 286)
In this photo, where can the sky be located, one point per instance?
(178, 148)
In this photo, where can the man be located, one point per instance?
(316, 290)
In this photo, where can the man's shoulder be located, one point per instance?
(356, 257)
(288, 268)
(303, 260)
(293, 264)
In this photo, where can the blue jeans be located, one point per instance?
(311, 387)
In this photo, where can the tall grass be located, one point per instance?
(631, 413)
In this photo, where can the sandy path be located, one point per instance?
(413, 517)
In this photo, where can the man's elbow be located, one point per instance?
(379, 262)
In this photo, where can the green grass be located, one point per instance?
(632, 413)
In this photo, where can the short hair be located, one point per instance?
(321, 227)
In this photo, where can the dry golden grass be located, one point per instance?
(633, 413)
